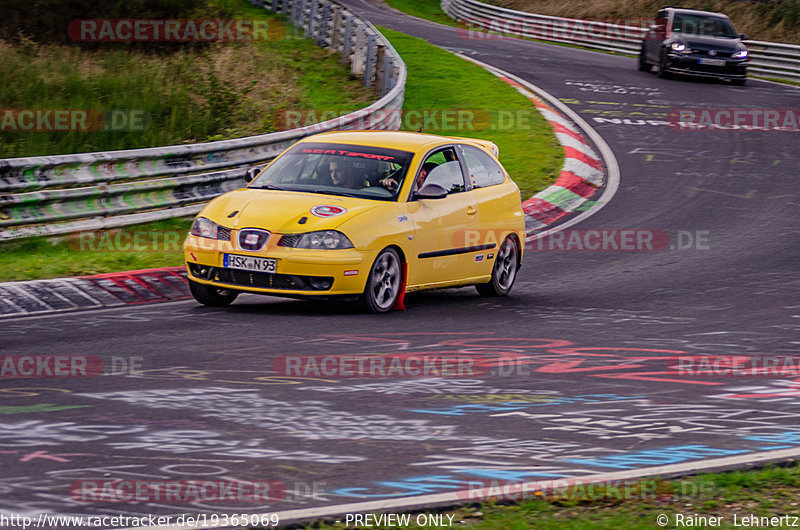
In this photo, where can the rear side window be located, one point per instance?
(483, 170)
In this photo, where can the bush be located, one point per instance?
(46, 21)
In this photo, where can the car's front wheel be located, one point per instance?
(738, 82)
(383, 283)
(504, 271)
(644, 66)
(662, 66)
(212, 296)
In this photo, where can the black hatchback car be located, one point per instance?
(699, 43)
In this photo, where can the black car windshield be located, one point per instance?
(703, 25)
(338, 169)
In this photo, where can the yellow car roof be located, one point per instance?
(400, 140)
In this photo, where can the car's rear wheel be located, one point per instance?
(644, 66)
(212, 296)
(504, 270)
(383, 283)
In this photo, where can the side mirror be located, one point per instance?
(744, 36)
(251, 173)
(431, 191)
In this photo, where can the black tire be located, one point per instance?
(738, 82)
(383, 282)
(504, 270)
(662, 70)
(212, 296)
(644, 66)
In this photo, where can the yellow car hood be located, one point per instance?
(281, 211)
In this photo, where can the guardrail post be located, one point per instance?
(359, 51)
(388, 71)
(297, 13)
(336, 28)
(311, 16)
(369, 66)
(348, 39)
(379, 68)
(323, 26)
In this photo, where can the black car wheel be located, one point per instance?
(504, 271)
(383, 283)
(212, 296)
(662, 66)
(644, 66)
(738, 82)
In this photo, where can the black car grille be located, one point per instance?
(261, 280)
(224, 233)
(264, 280)
(719, 54)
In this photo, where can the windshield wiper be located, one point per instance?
(329, 192)
(267, 187)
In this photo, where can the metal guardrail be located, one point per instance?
(50, 195)
(767, 59)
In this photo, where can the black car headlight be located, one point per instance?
(322, 239)
(202, 227)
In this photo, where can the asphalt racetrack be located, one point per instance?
(683, 352)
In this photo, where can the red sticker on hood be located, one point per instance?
(327, 210)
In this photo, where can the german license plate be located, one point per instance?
(713, 62)
(249, 263)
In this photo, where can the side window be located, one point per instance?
(483, 170)
(442, 168)
(662, 17)
(448, 176)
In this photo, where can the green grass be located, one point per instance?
(766, 492)
(437, 80)
(189, 94)
(427, 9)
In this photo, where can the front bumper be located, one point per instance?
(693, 65)
(299, 272)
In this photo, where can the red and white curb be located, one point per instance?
(583, 172)
(93, 292)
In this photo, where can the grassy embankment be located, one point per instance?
(768, 492)
(528, 149)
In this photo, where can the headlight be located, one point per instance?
(324, 239)
(680, 47)
(203, 227)
(741, 54)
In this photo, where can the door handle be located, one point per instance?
(471, 210)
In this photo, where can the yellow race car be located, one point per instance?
(366, 215)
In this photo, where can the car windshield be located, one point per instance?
(703, 25)
(338, 169)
